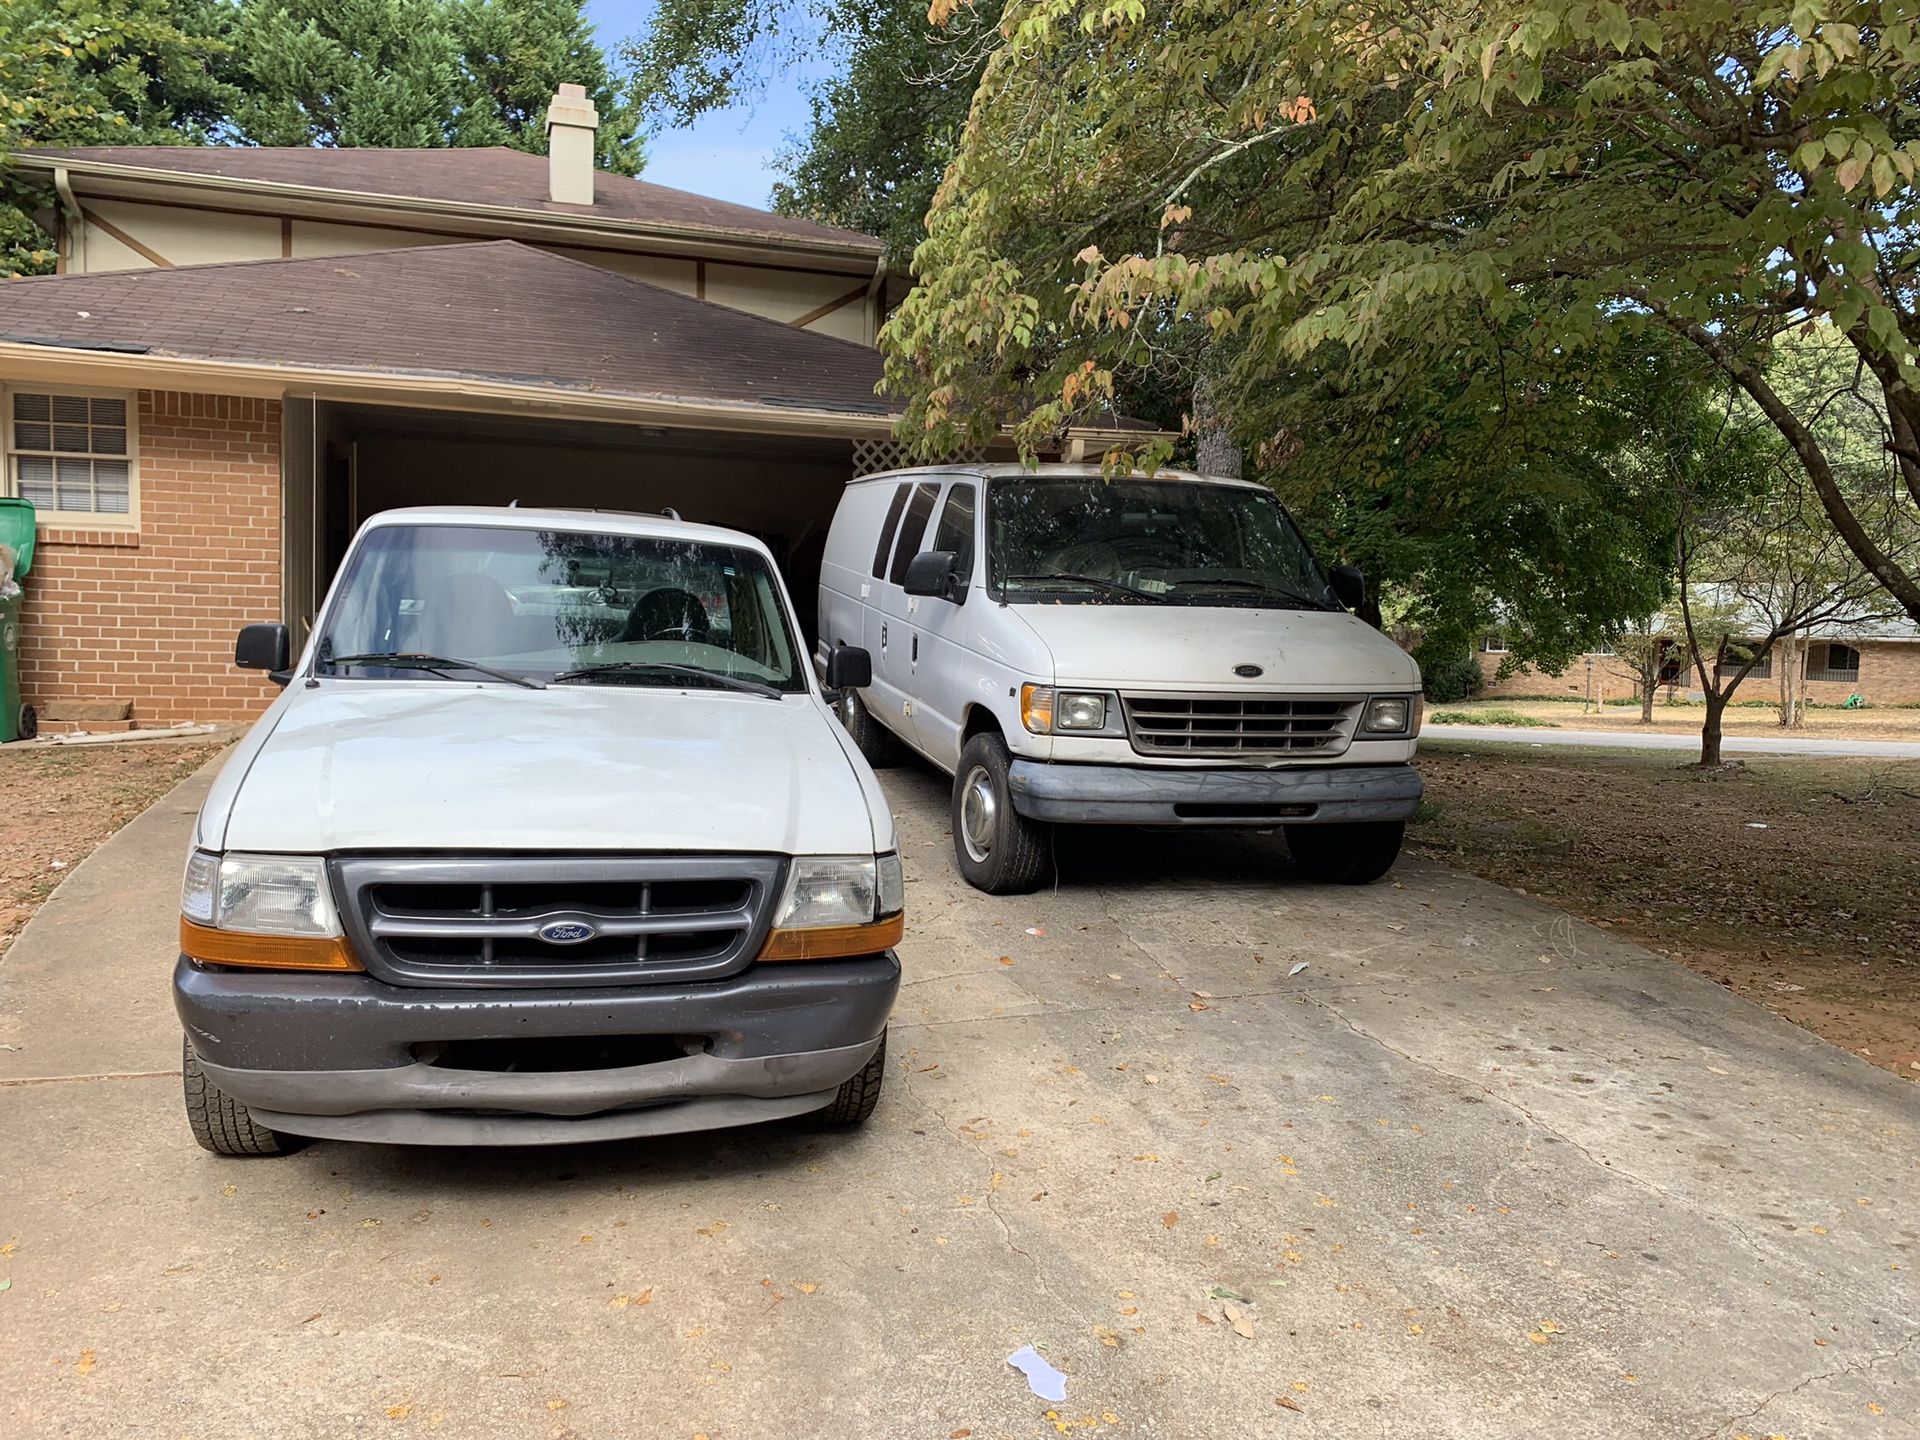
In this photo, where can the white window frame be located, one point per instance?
(75, 519)
(1493, 642)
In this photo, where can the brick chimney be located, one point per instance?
(571, 123)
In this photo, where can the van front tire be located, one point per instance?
(872, 739)
(998, 849)
(221, 1123)
(1352, 854)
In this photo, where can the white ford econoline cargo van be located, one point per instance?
(550, 837)
(1153, 651)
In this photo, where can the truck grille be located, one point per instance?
(496, 920)
(1239, 724)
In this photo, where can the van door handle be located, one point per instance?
(883, 636)
(916, 649)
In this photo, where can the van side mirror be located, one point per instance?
(265, 647)
(1349, 584)
(930, 573)
(849, 668)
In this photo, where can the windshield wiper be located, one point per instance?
(642, 668)
(1026, 581)
(439, 664)
(1278, 592)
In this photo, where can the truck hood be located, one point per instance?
(423, 765)
(1182, 647)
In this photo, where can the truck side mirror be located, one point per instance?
(265, 647)
(1349, 584)
(849, 668)
(930, 573)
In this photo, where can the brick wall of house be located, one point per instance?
(150, 616)
(1889, 675)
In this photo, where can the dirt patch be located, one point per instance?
(1794, 882)
(62, 801)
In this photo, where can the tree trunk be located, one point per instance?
(1216, 450)
(1649, 678)
(1710, 731)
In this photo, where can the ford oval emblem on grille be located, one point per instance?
(1248, 672)
(566, 932)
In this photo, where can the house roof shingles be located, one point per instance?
(491, 175)
(494, 310)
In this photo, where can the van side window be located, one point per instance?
(956, 529)
(894, 507)
(912, 528)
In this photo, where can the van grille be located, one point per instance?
(607, 920)
(1214, 724)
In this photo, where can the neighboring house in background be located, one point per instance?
(248, 351)
(1878, 661)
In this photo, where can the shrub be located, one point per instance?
(1492, 715)
(1450, 676)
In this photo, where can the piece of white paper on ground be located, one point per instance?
(1296, 969)
(1045, 1381)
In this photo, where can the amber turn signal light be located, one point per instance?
(265, 952)
(828, 942)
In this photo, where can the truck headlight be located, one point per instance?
(1391, 715)
(837, 905)
(271, 911)
(1047, 711)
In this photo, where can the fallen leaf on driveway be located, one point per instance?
(1170, 1219)
(1242, 1326)
(400, 1411)
(1285, 1404)
(1198, 1005)
(85, 1367)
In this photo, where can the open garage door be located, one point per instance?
(362, 460)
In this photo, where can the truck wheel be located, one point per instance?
(999, 850)
(29, 723)
(1353, 854)
(872, 739)
(221, 1123)
(855, 1100)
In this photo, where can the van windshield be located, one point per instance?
(1086, 540)
(543, 605)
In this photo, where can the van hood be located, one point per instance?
(1193, 647)
(429, 765)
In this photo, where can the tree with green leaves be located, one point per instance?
(884, 124)
(1326, 185)
(421, 73)
(100, 72)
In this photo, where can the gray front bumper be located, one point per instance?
(1152, 795)
(333, 1055)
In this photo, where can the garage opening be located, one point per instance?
(345, 462)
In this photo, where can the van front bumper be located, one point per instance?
(1153, 795)
(341, 1056)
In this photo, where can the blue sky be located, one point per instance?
(728, 154)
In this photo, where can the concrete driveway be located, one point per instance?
(1477, 1171)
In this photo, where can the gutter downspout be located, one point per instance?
(77, 223)
(876, 299)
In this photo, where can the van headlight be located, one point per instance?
(1391, 715)
(837, 905)
(1047, 711)
(270, 911)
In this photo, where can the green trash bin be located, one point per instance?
(17, 721)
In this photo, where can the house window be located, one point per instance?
(1842, 663)
(1493, 643)
(1737, 654)
(71, 452)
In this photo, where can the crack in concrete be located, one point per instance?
(992, 1205)
(1712, 1217)
(1858, 1367)
(89, 1079)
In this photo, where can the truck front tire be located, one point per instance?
(221, 1123)
(1351, 854)
(998, 849)
(856, 1098)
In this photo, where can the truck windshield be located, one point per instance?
(1085, 540)
(486, 602)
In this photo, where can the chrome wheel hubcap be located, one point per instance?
(978, 811)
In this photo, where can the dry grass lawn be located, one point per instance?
(1883, 722)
